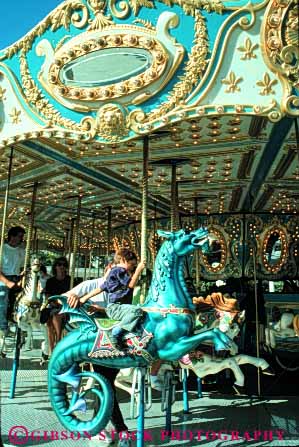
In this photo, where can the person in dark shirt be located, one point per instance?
(58, 284)
(119, 285)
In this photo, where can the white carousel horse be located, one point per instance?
(203, 364)
(286, 327)
(28, 308)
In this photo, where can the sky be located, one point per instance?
(17, 17)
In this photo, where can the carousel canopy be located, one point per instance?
(211, 86)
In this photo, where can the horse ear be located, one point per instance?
(242, 315)
(165, 234)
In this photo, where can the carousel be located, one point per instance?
(169, 128)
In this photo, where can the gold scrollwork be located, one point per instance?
(292, 105)
(280, 40)
(36, 98)
(63, 15)
(273, 258)
(194, 70)
(2, 94)
(100, 20)
(66, 14)
(190, 7)
(146, 23)
(123, 9)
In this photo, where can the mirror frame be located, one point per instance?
(283, 235)
(224, 251)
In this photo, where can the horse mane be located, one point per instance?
(163, 269)
(29, 274)
(217, 301)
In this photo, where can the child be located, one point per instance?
(119, 285)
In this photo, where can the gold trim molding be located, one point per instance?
(280, 41)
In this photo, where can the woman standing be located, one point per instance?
(57, 285)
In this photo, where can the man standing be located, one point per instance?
(12, 263)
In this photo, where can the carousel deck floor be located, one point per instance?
(214, 412)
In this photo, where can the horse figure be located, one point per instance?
(210, 316)
(203, 364)
(168, 333)
(27, 308)
(286, 327)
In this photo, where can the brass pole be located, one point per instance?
(85, 258)
(66, 242)
(29, 231)
(173, 198)
(34, 244)
(78, 256)
(155, 236)
(6, 205)
(90, 247)
(109, 229)
(76, 242)
(144, 212)
(256, 319)
(70, 242)
(99, 254)
(197, 275)
(143, 238)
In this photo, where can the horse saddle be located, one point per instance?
(106, 324)
(134, 344)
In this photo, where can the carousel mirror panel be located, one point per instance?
(274, 249)
(91, 70)
(216, 259)
(235, 242)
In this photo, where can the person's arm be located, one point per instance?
(7, 282)
(136, 274)
(74, 300)
(91, 294)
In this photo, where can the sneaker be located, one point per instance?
(239, 390)
(268, 371)
(156, 384)
(124, 439)
(104, 436)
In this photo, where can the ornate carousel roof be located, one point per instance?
(210, 86)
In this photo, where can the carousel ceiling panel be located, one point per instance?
(23, 165)
(67, 77)
(213, 177)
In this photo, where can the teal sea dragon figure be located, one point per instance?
(167, 334)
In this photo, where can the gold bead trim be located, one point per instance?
(111, 91)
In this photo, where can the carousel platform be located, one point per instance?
(214, 420)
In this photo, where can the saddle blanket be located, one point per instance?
(135, 344)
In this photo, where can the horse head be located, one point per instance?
(185, 242)
(35, 265)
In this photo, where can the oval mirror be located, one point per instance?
(107, 66)
(274, 249)
(215, 260)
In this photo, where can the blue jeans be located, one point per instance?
(3, 307)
